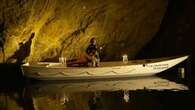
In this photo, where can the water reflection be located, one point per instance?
(126, 96)
(148, 83)
(16, 100)
(93, 95)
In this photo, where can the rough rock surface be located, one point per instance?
(64, 27)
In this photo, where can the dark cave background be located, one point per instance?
(176, 34)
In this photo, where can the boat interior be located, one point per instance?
(103, 64)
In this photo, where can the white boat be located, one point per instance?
(115, 69)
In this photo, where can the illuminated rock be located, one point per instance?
(64, 27)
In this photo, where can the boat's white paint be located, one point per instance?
(57, 71)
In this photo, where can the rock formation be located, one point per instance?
(64, 27)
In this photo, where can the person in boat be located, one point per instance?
(92, 51)
(91, 56)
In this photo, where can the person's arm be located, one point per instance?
(88, 49)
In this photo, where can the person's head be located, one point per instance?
(32, 35)
(21, 43)
(93, 40)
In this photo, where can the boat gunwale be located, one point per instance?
(130, 62)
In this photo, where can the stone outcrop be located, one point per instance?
(64, 27)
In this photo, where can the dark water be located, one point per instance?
(37, 99)
(17, 93)
(101, 95)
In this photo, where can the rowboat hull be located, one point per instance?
(57, 71)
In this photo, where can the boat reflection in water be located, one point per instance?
(92, 95)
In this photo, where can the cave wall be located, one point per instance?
(64, 27)
(176, 34)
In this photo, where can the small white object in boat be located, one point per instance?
(125, 58)
(62, 60)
